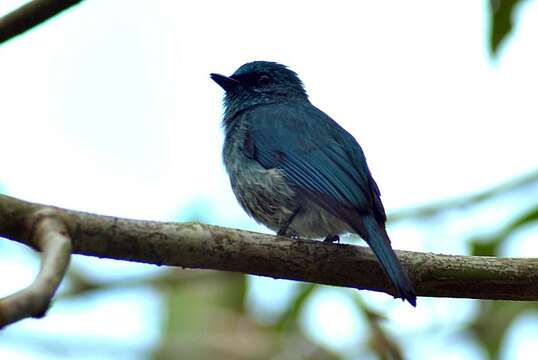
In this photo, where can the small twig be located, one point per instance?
(31, 14)
(48, 234)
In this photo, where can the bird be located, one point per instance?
(297, 171)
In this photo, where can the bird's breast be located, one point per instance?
(263, 193)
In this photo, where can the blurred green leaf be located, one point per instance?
(189, 303)
(494, 319)
(208, 319)
(203, 316)
(432, 209)
(380, 342)
(290, 317)
(501, 16)
(490, 246)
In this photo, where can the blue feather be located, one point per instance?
(322, 159)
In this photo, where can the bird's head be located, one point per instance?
(259, 82)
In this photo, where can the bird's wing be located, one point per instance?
(317, 156)
(323, 160)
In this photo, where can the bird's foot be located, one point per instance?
(332, 239)
(291, 234)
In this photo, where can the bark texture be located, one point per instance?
(200, 246)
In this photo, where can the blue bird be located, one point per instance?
(295, 170)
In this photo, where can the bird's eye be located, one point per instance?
(264, 79)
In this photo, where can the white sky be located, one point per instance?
(109, 108)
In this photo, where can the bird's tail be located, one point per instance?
(380, 244)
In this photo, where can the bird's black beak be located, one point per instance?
(225, 82)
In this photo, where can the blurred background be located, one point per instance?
(108, 108)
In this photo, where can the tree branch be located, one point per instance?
(200, 246)
(31, 14)
(47, 233)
